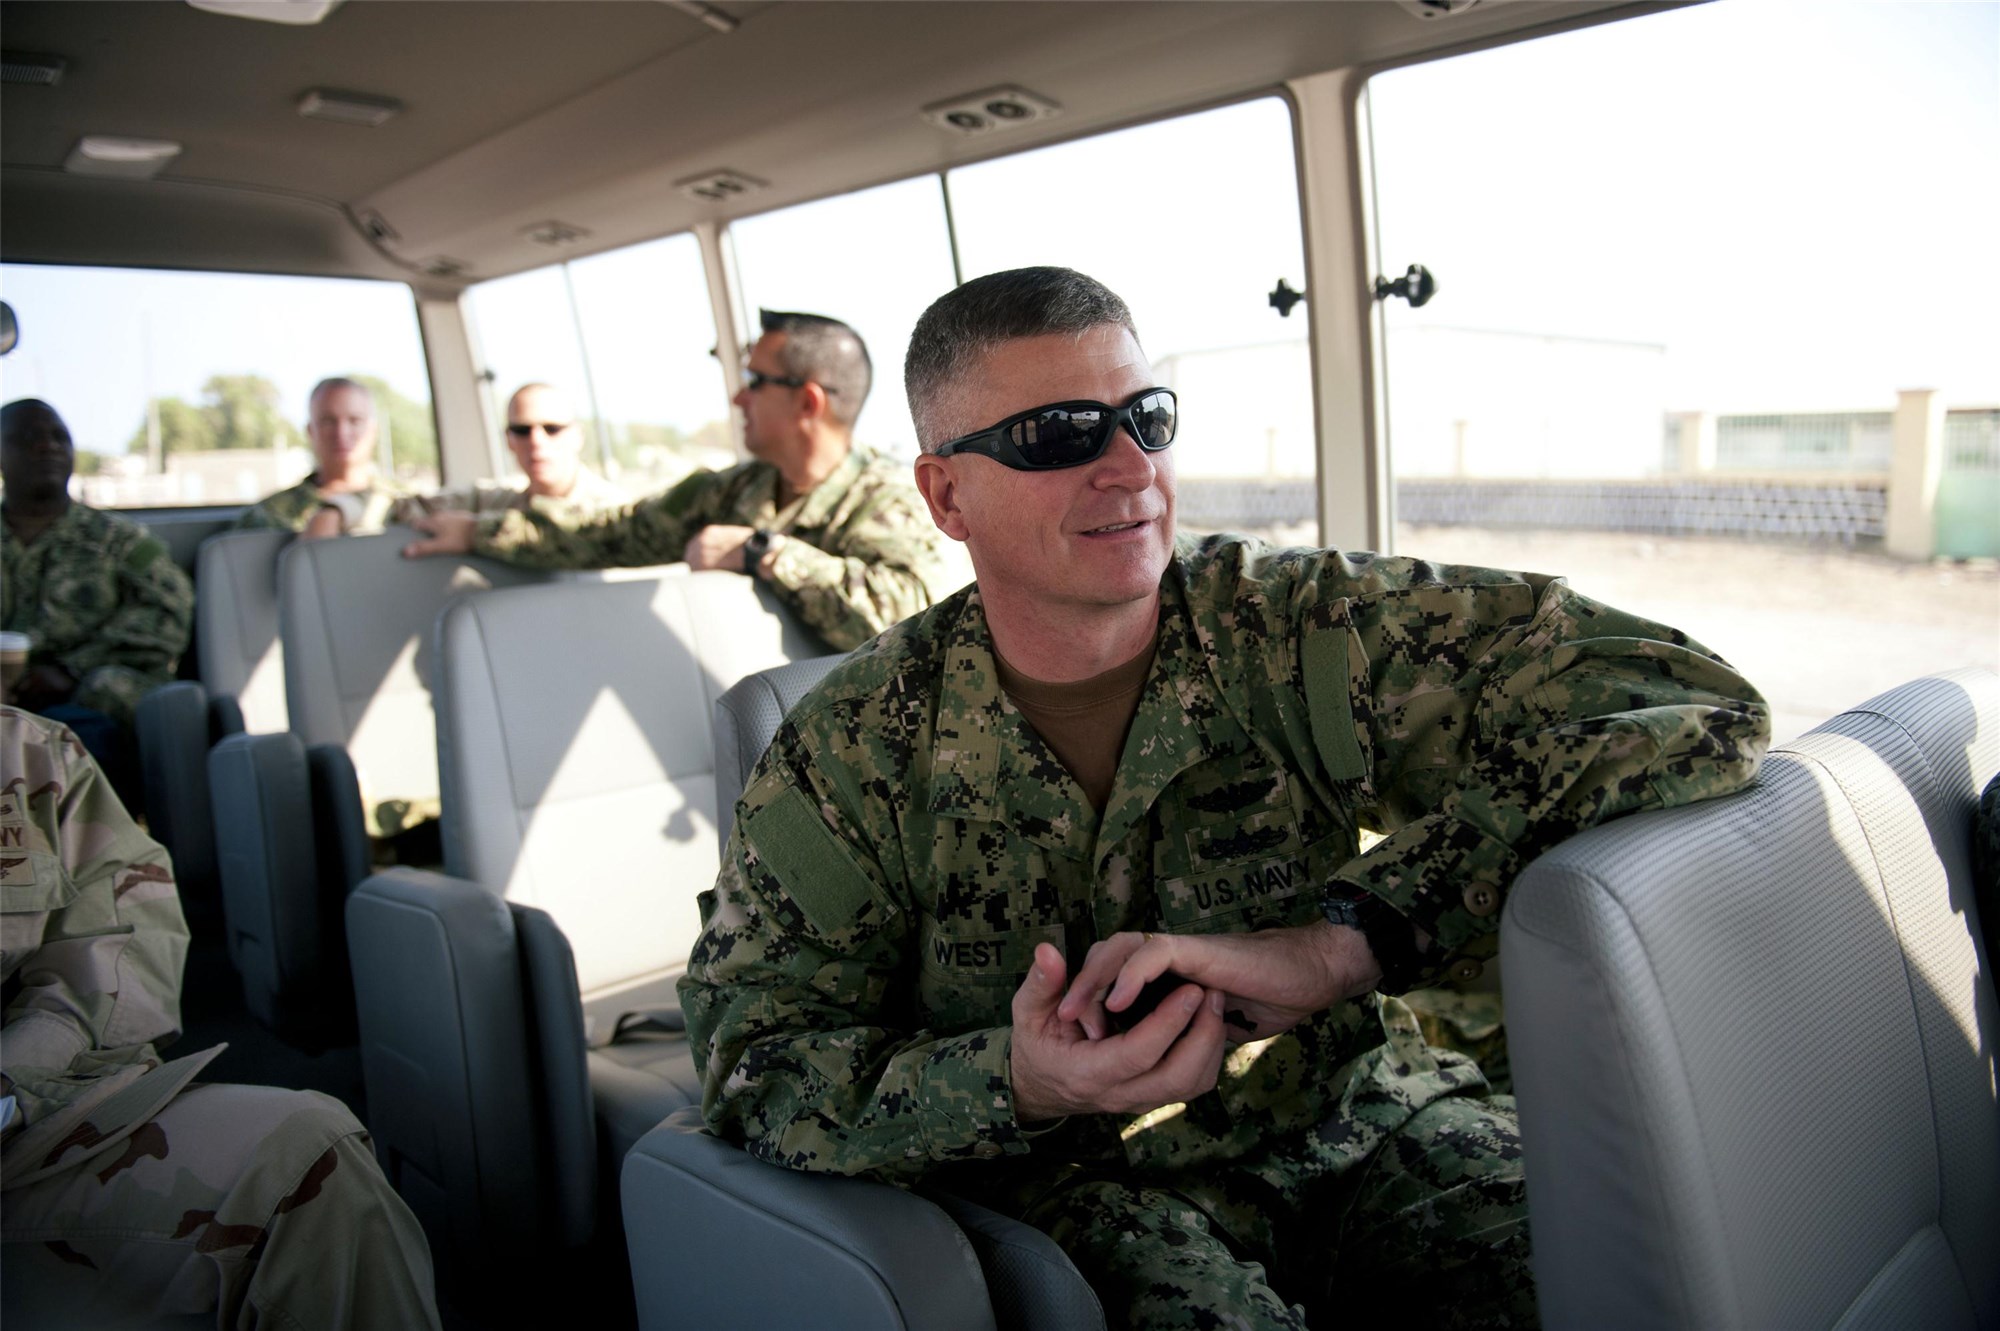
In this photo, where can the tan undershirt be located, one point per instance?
(1084, 722)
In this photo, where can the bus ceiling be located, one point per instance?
(445, 144)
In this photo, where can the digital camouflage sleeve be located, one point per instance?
(104, 600)
(362, 512)
(863, 552)
(907, 839)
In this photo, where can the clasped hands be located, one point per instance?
(1068, 1057)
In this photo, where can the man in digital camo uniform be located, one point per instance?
(108, 609)
(343, 496)
(834, 529)
(131, 1193)
(546, 440)
(1119, 756)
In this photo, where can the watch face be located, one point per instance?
(1339, 910)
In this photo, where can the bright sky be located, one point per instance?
(1795, 200)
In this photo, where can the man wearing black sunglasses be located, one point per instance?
(834, 529)
(545, 435)
(1056, 894)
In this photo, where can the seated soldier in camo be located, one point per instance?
(104, 609)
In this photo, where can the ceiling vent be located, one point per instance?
(25, 67)
(555, 234)
(378, 229)
(718, 186)
(443, 266)
(120, 158)
(348, 108)
(1433, 9)
(996, 108)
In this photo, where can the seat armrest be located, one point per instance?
(225, 716)
(1033, 1283)
(450, 1072)
(829, 1251)
(173, 726)
(555, 1026)
(261, 797)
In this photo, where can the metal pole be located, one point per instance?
(605, 462)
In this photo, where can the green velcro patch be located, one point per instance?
(818, 872)
(142, 554)
(1327, 704)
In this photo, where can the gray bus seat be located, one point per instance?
(241, 688)
(1753, 1041)
(832, 1252)
(578, 778)
(746, 717)
(355, 622)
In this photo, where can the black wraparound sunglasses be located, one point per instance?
(756, 379)
(1069, 434)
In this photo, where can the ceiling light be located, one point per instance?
(718, 186)
(109, 155)
(347, 108)
(996, 108)
(554, 233)
(707, 13)
(1437, 8)
(271, 11)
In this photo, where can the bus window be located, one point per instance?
(649, 335)
(524, 331)
(872, 259)
(1192, 221)
(628, 335)
(188, 388)
(1687, 281)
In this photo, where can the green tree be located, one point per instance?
(246, 413)
(184, 428)
(411, 427)
(236, 411)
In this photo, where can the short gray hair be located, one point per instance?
(336, 382)
(965, 323)
(827, 352)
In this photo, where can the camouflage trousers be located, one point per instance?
(264, 1206)
(115, 691)
(1406, 1207)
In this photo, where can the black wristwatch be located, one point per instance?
(1391, 936)
(754, 549)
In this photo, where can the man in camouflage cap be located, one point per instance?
(130, 1192)
(104, 602)
(344, 495)
(1123, 757)
(834, 529)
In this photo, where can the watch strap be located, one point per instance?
(1391, 936)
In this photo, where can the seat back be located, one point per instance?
(242, 688)
(1753, 1040)
(236, 624)
(356, 620)
(747, 715)
(577, 760)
